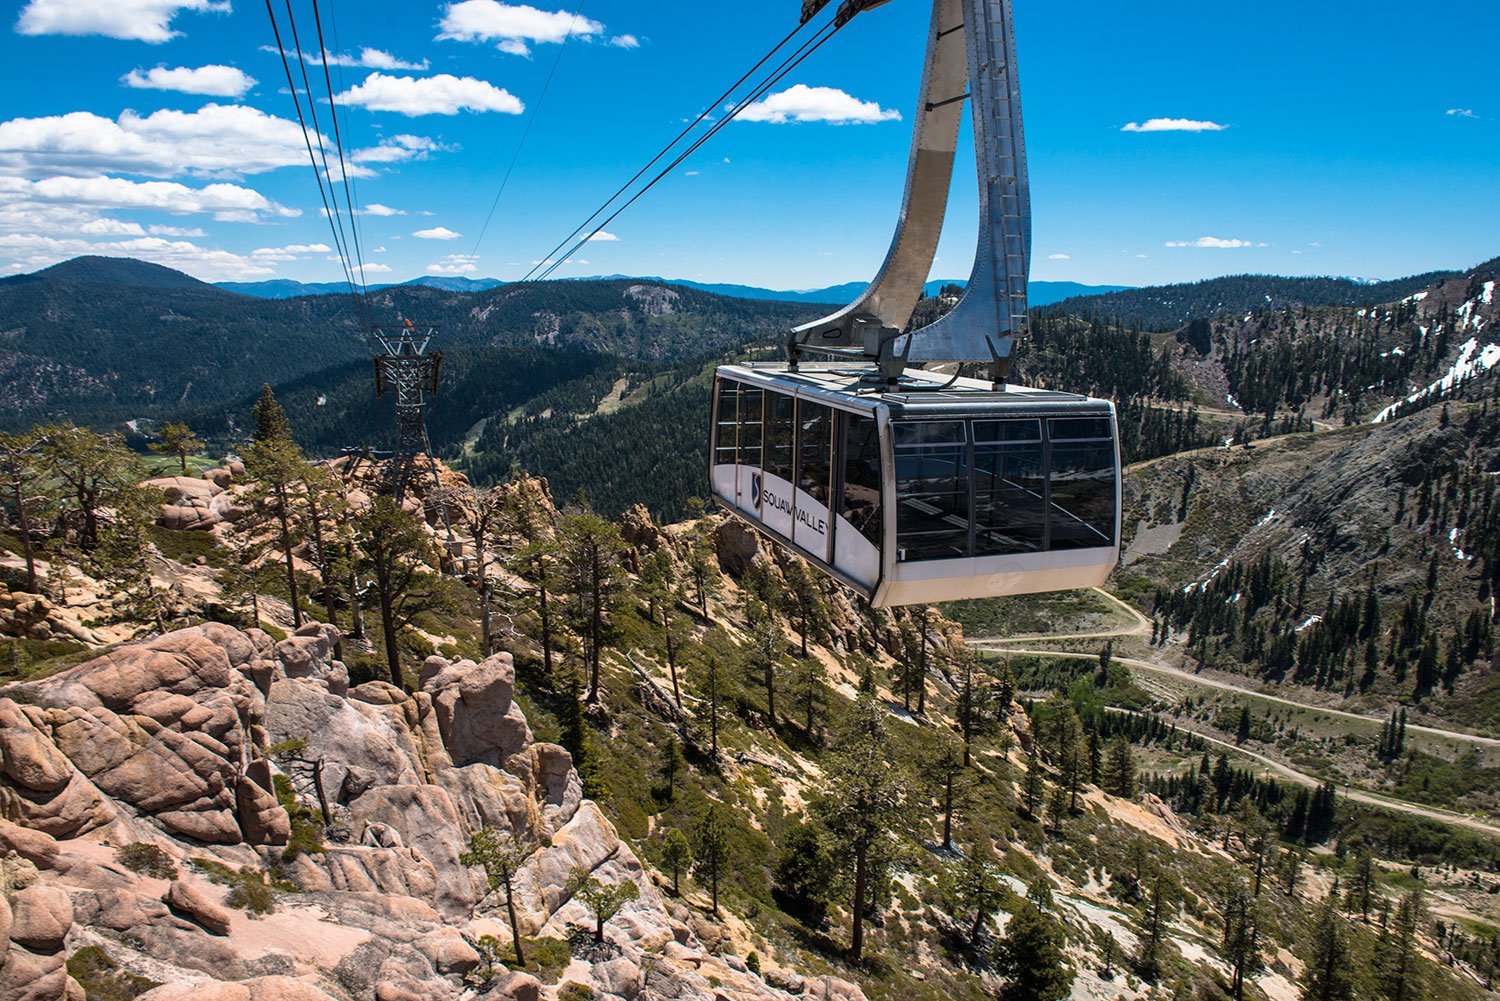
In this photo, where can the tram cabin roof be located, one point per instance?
(918, 394)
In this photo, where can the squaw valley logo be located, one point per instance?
(755, 490)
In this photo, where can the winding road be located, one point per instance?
(1141, 626)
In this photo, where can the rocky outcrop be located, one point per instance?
(180, 745)
(202, 503)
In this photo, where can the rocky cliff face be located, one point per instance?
(183, 743)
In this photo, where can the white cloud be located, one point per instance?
(1461, 113)
(802, 103)
(454, 264)
(227, 202)
(603, 237)
(436, 233)
(290, 253)
(175, 231)
(213, 80)
(377, 209)
(514, 47)
(1173, 125)
(508, 24)
(443, 94)
(1217, 243)
(215, 140)
(139, 20)
(625, 42)
(376, 269)
(1058, 257)
(693, 173)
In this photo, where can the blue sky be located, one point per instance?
(1346, 139)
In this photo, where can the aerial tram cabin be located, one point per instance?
(933, 490)
(908, 485)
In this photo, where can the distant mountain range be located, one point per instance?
(1042, 293)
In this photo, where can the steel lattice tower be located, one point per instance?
(404, 364)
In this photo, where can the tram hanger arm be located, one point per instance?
(970, 50)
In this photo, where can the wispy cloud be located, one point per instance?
(802, 103)
(1214, 242)
(436, 233)
(625, 42)
(1058, 257)
(1172, 125)
(454, 264)
(377, 209)
(1461, 113)
(603, 237)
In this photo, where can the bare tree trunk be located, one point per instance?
(317, 529)
(23, 523)
(948, 811)
(515, 926)
(546, 628)
(666, 621)
(283, 516)
(596, 626)
(857, 940)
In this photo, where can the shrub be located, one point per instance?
(102, 979)
(307, 825)
(148, 860)
(250, 890)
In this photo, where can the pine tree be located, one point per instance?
(1119, 769)
(675, 855)
(177, 439)
(1157, 915)
(712, 851)
(1327, 976)
(23, 479)
(973, 887)
(501, 856)
(767, 641)
(592, 551)
(1030, 959)
(1397, 952)
(604, 900)
(392, 543)
(863, 806)
(1033, 787)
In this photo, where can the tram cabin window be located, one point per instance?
(862, 480)
(932, 490)
(1010, 488)
(1082, 480)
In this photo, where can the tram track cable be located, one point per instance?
(530, 121)
(338, 141)
(667, 149)
(312, 105)
(307, 141)
(550, 264)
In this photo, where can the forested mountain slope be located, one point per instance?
(1363, 562)
(110, 340)
(1165, 307)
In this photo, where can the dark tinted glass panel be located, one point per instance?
(1010, 508)
(814, 445)
(860, 506)
(749, 425)
(932, 490)
(1021, 430)
(928, 433)
(1073, 428)
(1083, 494)
(780, 412)
(724, 426)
